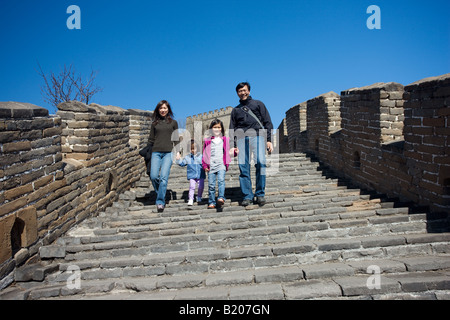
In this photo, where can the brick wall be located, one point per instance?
(385, 137)
(323, 117)
(296, 127)
(57, 170)
(427, 132)
(197, 125)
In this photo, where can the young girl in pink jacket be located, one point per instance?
(216, 160)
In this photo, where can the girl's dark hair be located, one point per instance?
(214, 122)
(156, 116)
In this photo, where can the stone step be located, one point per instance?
(401, 277)
(170, 259)
(315, 238)
(221, 228)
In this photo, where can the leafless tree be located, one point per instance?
(66, 86)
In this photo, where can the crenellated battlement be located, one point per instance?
(386, 137)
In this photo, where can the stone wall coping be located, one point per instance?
(297, 106)
(21, 110)
(389, 86)
(430, 81)
(77, 106)
(109, 109)
(330, 94)
(139, 112)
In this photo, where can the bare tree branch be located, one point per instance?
(86, 89)
(67, 87)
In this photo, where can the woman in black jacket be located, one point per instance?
(163, 137)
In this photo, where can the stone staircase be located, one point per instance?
(316, 238)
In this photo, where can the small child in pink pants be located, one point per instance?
(195, 172)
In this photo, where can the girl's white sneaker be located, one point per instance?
(190, 202)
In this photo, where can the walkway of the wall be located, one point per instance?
(57, 170)
(385, 137)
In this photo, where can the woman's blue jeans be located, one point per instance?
(159, 174)
(255, 146)
(212, 177)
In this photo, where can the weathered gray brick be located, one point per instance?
(280, 274)
(327, 270)
(338, 244)
(293, 248)
(357, 285)
(257, 292)
(230, 278)
(312, 289)
(49, 252)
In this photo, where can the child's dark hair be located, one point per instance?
(195, 144)
(217, 121)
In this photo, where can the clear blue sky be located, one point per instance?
(193, 53)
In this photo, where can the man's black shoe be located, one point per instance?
(246, 203)
(261, 201)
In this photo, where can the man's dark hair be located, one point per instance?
(241, 85)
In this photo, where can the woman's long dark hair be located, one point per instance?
(156, 116)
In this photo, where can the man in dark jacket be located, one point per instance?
(251, 128)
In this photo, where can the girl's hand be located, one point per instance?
(234, 152)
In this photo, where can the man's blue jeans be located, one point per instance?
(220, 177)
(255, 146)
(159, 174)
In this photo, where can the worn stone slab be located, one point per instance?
(426, 238)
(337, 244)
(207, 255)
(34, 272)
(290, 248)
(250, 252)
(14, 293)
(181, 281)
(279, 274)
(230, 278)
(426, 263)
(40, 293)
(19, 110)
(215, 293)
(382, 241)
(357, 285)
(385, 266)
(49, 252)
(327, 270)
(312, 289)
(140, 284)
(422, 281)
(121, 262)
(257, 292)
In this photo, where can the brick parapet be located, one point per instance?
(58, 170)
(391, 138)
